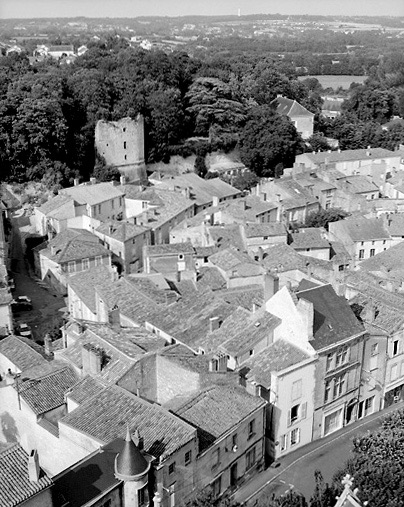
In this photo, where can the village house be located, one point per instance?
(157, 209)
(311, 241)
(359, 185)
(58, 52)
(294, 202)
(301, 118)
(362, 237)
(125, 241)
(338, 339)
(322, 190)
(394, 186)
(175, 261)
(200, 191)
(71, 251)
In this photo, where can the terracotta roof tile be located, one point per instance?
(93, 194)
(84, 389)
(20, 354)
(309, 237)
(106, 415)
(15, 485)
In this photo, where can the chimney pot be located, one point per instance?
(214, 323)
(215, 200)
(93, 181)
(34, 470)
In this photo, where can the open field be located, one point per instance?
(330, 81)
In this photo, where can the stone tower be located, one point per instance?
(121, 144)
(132, 468)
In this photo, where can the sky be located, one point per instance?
(134, 8)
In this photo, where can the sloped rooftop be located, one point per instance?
(20, 353)
(93, 194)
(309, 237)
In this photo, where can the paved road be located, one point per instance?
(297, 468)
(46, 302)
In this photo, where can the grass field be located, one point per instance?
(335, 82)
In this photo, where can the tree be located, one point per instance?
(317, 142)
(377, 464)
(268, 139)
(200, 166)
(289, 499)
(106, 173)
(323, 217)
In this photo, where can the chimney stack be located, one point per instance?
(138, 440)
(271, 285)
(48, 344)
(215, 200)
(122, 180)
(76, 182)
(93, 181)
(114, 317)
(34, 470)
(214, 323)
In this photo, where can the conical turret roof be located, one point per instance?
(130, 463)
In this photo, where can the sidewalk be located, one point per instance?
(253, 487)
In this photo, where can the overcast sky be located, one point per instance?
(133, 8)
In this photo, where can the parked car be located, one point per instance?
(23, 330)
(21, 303)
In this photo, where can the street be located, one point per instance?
(297, 469)
(46, 303)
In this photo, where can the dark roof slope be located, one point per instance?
(334, 320)
(20, 354)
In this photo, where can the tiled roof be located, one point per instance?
(188, 319)
(266, 229)
(66, 47)
(230, 259)
(289, 107)
(217, 410)
(333, 318)
(74, 244)
(210, 278)
(15, 485)
(93, 194)
(54, 203)
(227, 235)
(170, 248)
(364, 229)
(240, 332)
(46, 393)
(84, 283)
(277, 357)
(359, 184)
(201, 190)
(395, 224)
(347, 155)
(121, 231)
(20, 354)
(283, 258)
(309, 237)
(297, 195)
(106, 415)
(246, 296)
(84, 389)
(387, 262)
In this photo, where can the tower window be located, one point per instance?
(124, 145)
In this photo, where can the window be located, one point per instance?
(98, 260)
(394, 372)
(369, 405)
(297, 390)
(341, 267)
(251, 428)
(284, 442)
(384, 242)
(373, 242)
(374, 349)
(362, 243)
(217, 486)
(294, 414)
(372, 252)
(144, 204)
(188, 457)
(295, 436)
(341, 357)
(395, 347)
(85, 264)
(234, 440)
(339, 386)
(361, 254)
(180, 257)
(99, 208)
(124, 145)
(327, 391)
(113, 203)
(71, 267)
(250, 458)
(216, 457)
(329, 362)
(171, 468)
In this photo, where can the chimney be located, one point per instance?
(34, 470)
(306, 311)
(48, 344)
(53, 250)
(271, 285)
(114, 317)
(214, 324)
(122, 180)
(76, 182)
(215, 200)
(93, 181)
(243, 204)
(370, 313)
(91, 359)
(138, 440)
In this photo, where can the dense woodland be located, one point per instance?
(219, 100)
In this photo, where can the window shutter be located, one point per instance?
(304, 410)
(298, 436)
(289, 417)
